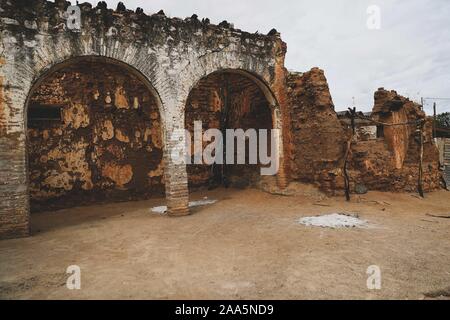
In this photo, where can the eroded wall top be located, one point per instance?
(21, 23)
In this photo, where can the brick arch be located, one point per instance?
(56, 54)
(47, 56)
(49, 70)
(73, 63)
(265, 88)
(258, 70)
(186, 77)
(27, 77)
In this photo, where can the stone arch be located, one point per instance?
(265, 88)
(48, 59)
(258, 71)
(131, 161)
(43, 74)
(25, 76)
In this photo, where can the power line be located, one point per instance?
(436, 98)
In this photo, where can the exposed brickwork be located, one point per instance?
(13, 187)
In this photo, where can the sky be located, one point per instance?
(409, 52)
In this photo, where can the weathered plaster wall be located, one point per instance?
(108, 144)
(171, 54)
(319, 142)
(222, 101)
(318, 138)
(392, 163)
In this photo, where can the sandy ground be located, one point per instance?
(247, 246)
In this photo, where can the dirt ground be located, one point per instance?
(246, 246)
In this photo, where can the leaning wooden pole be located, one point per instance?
(420, 184)
(434, 120)
(346, 178)
(347, 153)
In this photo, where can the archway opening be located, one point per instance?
(224, 100)
(94, 136)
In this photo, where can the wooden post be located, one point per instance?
(420, 186)
(347, 153)
(434, 120)
(346, 178)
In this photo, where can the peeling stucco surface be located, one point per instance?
(97, 146)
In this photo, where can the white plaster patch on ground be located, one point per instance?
(200, 203)
(192, 204)
(334, 221)
(159, 210)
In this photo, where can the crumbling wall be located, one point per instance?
(107, 144)
(391, 108)
(388, 163)
(391, 163)
(318, 138)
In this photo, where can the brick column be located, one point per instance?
(283, 118)
(175, 174)
(14, 202)
(282, 179)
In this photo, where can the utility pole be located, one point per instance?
(420, 182)
(434, 120)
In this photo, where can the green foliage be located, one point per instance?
(443, 120)
(442, 125)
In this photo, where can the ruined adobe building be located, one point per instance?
(87, 115)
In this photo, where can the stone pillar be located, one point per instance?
(175, 173)
(14, 205)
(282, 179)
(177, 193)
(282, 118)
(14, 202)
